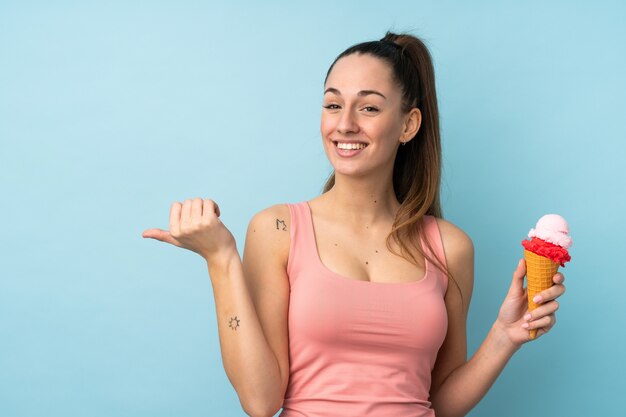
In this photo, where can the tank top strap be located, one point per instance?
(433, 235)
(302, 245)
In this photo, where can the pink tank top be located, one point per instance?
(359, 348)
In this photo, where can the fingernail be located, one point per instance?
(525, 325)
(537, 299)
(527, 316)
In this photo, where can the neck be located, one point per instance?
(363, 200)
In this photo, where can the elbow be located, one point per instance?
(263, 409)
(261, 399)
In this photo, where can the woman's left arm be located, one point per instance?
(457, 384)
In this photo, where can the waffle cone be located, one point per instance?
(539, 273)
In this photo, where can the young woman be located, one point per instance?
(355, 303)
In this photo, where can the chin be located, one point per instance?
(349, 172)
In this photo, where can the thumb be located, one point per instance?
(517, 283)
(160, 234)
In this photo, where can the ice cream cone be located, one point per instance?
(539, 273)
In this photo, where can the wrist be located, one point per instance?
(222, 260)
(501, 338)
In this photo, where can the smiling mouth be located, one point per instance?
(349, 145)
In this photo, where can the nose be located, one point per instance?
(347, 123)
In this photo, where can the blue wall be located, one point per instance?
(109, 113)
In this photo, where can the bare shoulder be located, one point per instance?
(277, 215)
(270, 227)
(459, 251)
(456, 243)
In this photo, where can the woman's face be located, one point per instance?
(362, 106)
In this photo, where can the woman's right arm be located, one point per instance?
(251, 298)
(251, 301)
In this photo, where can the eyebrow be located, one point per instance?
(360, 93)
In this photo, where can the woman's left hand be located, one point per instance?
(514, 317)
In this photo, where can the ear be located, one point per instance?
(412, 123)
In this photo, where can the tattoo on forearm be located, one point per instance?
(234, 323)
(280, 223)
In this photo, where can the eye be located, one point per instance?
(331, 106)
(370, 109)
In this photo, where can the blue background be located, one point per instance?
(111, 112)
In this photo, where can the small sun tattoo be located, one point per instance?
(234, 323)
(282, 223)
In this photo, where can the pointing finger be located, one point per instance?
(159, 234)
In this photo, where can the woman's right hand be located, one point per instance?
(195, 225)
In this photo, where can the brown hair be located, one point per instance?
(417, 167)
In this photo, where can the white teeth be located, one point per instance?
(342, 145)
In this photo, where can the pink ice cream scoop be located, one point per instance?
(552, 228)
